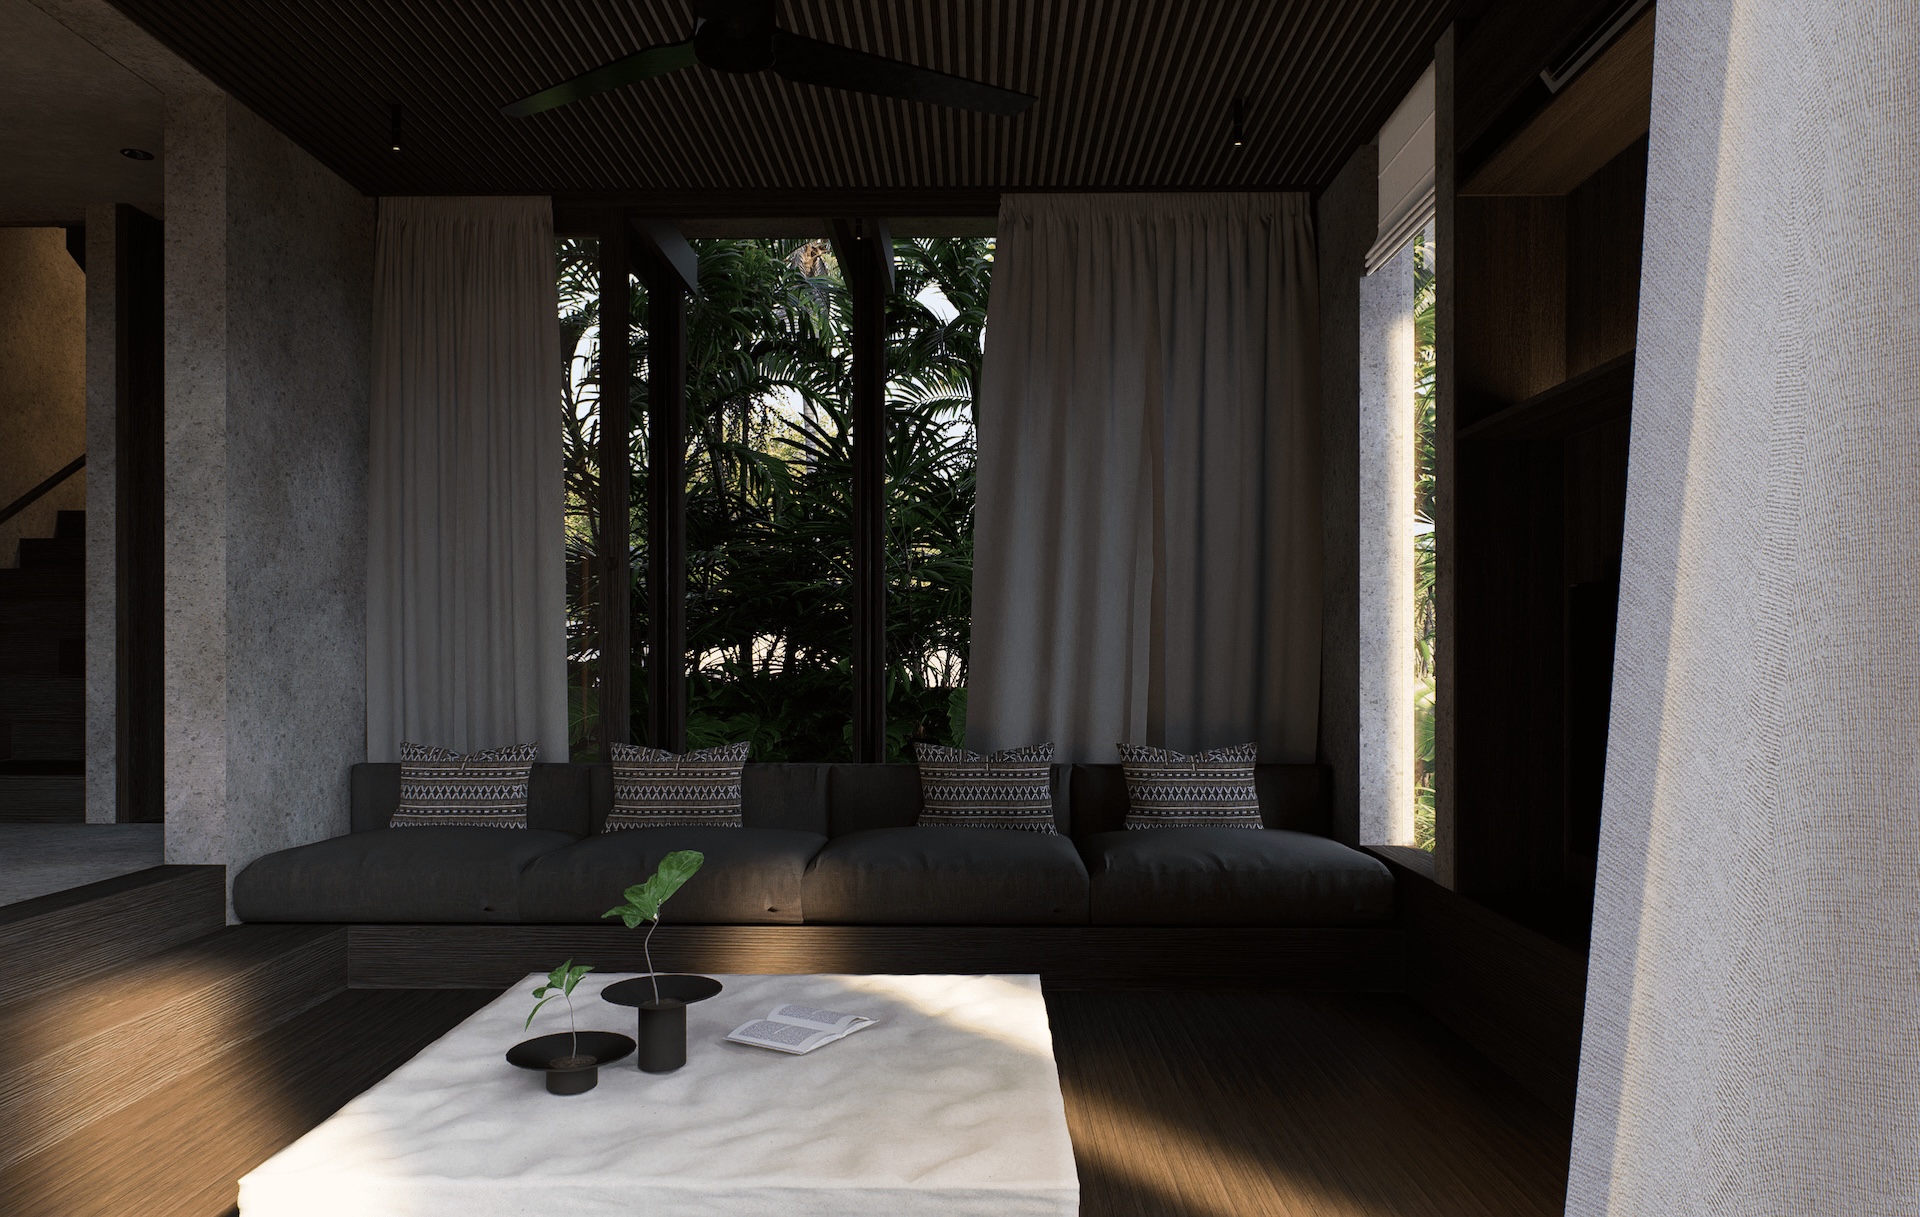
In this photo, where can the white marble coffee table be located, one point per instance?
(950, 1105)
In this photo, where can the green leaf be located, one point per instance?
(644, 899)
(536, 1009)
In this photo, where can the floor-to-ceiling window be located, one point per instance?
(768, 510)
(1425, 541)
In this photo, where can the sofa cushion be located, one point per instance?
(1211, 789)
(654, 788)
(557, 796)
(752, 876)
(1291, 796)
(459, 875)
(441, 788)
(862, 797)
(776, 794)
(1227, 876)
(1012, 788)
(947, 876)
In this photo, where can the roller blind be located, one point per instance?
(1406, 172)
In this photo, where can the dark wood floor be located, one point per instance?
(1271, 1104)
(1209, 1104)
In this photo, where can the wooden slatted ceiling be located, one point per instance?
(1134, 93)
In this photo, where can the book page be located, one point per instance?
(812, 1016)
(788, 1036)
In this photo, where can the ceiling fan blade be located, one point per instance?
(641, 65)
(810, 61)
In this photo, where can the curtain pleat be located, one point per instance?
(1147, 537)
(466, 612)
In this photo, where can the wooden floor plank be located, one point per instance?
(1293, 1105)
(181, 1152)
(1194, 1104)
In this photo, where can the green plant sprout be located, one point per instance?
(644, 900)
(560, 983)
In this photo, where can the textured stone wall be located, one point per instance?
(1752, 1035)
(269, 289)
(102, 772)
(1344, 221)
(43, 390)
(1386, 506)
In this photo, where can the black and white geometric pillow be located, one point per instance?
(442, 788)
(657, 789)
(1212, 789)
(1007, 789)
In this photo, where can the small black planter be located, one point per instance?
(663, 1024)
(598, 1047)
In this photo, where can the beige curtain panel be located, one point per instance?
(1752, 1040)
(466, 599)
(1147, 539)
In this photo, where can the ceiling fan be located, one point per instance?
(740, 36)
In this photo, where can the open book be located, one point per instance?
(798, 1029)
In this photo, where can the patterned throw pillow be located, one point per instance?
(1010, 789)
(440, 787)
(1212, 789)
(656, 789)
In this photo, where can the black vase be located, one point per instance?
(599, 1047)
(663, 1035)
(663, 1024)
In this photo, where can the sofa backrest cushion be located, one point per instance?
(556, 797)
(772, 795)
(1295, 797)
(888, 796)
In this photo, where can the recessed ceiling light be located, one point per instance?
(136, 154)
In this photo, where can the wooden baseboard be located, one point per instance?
(468, 956)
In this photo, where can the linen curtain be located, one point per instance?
(1752, 1039)
(1147, 536)
(466, 599)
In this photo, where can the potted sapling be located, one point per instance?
(571, 1059)
(661, 1000)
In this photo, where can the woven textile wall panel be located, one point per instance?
(1752, 1040)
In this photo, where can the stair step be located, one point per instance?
(42, 698)
(28, 656)
(53, 553)
(180, 1153)
(68, 524)
(41, 618)
(77, 1054)
(64, 585)
(42, 799)
(69, 936)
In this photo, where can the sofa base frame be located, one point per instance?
(494, 956)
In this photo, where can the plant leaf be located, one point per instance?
(536, 1009)
(644, 899)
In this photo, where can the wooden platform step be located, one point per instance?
(180, 1152)
(75, 1055)
(42, 798)
(60, 939)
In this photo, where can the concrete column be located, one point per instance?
(102, 399)
(269, 261)
(1386, 553)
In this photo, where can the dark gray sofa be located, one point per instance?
(832, 844)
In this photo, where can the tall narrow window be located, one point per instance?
(577, 263)
(935, 338)
(768, 501)
(1425, 541)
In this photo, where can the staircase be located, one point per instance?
(43, 677)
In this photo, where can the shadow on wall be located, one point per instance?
(43, 378)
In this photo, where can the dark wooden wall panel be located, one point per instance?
(1344, 222)
(1501, 55)
(1606, 220)
(139, 512)
(1511, 341)
(1515, 995)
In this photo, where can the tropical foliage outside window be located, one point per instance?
(1424, 620)
(769, 496)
